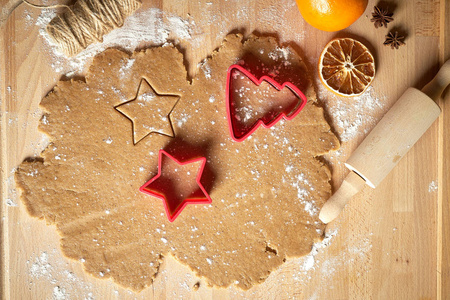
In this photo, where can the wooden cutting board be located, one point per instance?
(389, 243)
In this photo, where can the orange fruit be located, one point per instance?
(331, 15)
(346, 67)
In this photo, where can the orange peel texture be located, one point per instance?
(331, 15)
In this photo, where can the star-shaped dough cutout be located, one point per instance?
(149, 112)
(177, 184)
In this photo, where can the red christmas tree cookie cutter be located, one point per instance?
(241, 136)
(174, 208)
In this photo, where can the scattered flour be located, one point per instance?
(309, 260)
(155, 27)
(151, 27)
(280, 54)
(125, 69)
(353, 114)
(41, 267)
(59, 293)
(50, 268)
(433, 187)
(11, 200)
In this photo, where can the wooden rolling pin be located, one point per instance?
(388, 142)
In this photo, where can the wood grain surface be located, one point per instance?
(392, 242)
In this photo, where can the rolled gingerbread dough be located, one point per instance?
(266, 191)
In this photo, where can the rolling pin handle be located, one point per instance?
(427, 112)
(351, 185)
(438, 84)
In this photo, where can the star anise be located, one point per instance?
(381, 17)
(394, 40)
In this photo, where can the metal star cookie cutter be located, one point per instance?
(241, 136)
(173, 209)
(147, 112)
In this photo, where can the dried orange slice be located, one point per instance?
(346, 67)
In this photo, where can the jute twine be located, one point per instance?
(87, 21)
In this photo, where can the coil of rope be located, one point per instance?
(86, 22)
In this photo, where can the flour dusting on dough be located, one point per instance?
(260, 215)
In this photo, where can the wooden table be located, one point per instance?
(389, 243)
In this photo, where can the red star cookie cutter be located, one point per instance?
(241, 136)
(163, 190)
